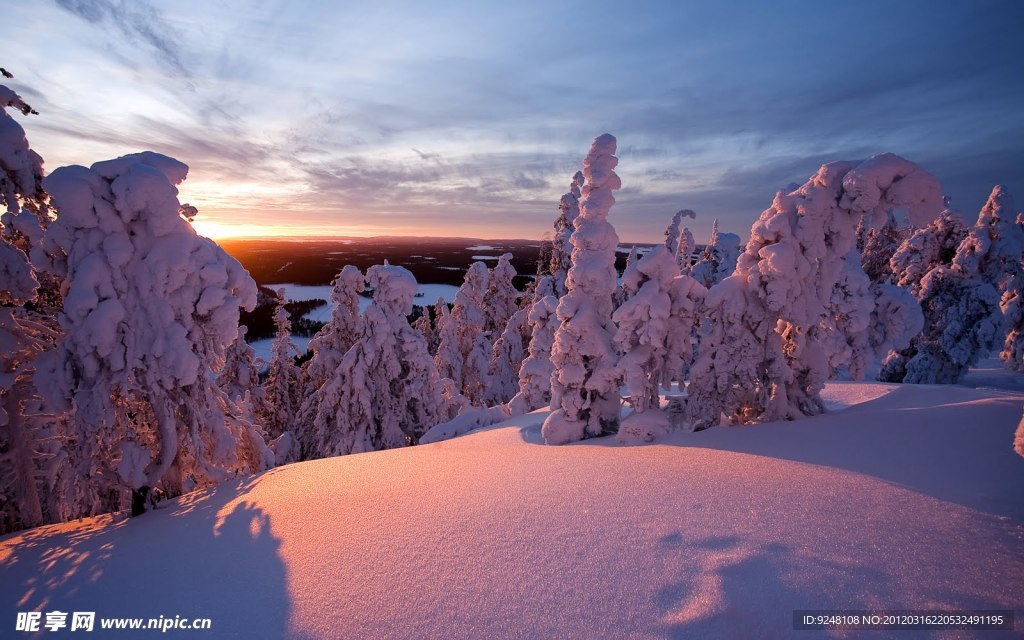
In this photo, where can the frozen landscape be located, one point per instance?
(899, 497)
(511, 320)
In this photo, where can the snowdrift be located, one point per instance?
(901, 497)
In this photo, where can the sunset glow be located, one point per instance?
(358, 119)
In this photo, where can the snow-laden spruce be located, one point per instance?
(772, 323)
(958, 293)
(507, 328)
(585, 382)
(642, 326)
(718, 260)
(501, 299)
(385, 393)
(535, 372)
(464, 352)
(149, 309)
(995, 248)
(336, 337)
(932, 245)
(507, 357)
(281, 394)
(561, 246)
(36, 481)
(641, 337)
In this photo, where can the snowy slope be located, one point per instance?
(910, 498)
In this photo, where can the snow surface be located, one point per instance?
(481, 247)
(910, 498)
(484, 257)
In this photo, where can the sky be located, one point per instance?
(469, 117)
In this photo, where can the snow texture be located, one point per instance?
(719, 534)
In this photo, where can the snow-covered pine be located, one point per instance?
(424, 325)
(687, 297)
(641, 336)
(35, 482)
(336, 337)
(463, 352)
(536, 370)
(386, 392)
(441, 316)
(958, 295)
(507, 357)
(995, 243)
(995, 248)
(1011, 303)
(585, 381)
(453, 403)
(674, 229)
(962, 322)
(241, 372)
(561, 247)
(149, 310)
(501, 299)
(878, 245)
(284, 386)
(718, 260)
(930, 246)
(766, 356)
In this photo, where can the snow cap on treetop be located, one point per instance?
(904, 185)
(393, 287)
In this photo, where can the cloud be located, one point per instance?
(136, 21)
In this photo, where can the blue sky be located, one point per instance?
(469, 118)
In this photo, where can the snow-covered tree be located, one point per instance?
(561, 247)
(386, 392)
(962, 322)
(536, 370)
(771, 324)
(687, 298)
(995, 243)
(718, 260)
(336, 337)
(1011, 303)
(241, 371)
(281, 395)
(958, 292)
(463, 352)
(507, 356)
(29, 444)
(877, 245)
(500, 301)
(932, 245)
(673, 233)
(642, 327)
(585, 382)
(441, 316)
(149, 310)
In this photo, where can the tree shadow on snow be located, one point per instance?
(211, 554)
(727, 588)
